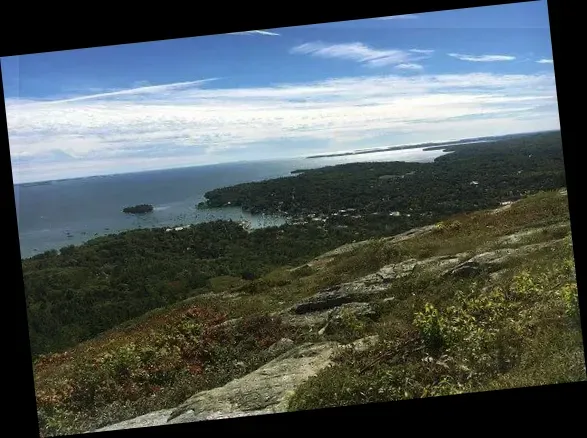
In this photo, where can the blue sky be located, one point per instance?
(278, 93)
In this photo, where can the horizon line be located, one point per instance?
(318, 155)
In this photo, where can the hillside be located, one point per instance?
(481, 300)
(79, 292)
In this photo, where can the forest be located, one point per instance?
(81, 291)
(472, 176)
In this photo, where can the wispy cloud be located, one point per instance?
(482, 58)
(358, 52)
(400, 17)
(544, 61)
(195, 122)
(410, 66)
(422, 51)
(256, 32)
(134, 92)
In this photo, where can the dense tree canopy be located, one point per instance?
(472, 176)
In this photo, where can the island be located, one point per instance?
(138, 209)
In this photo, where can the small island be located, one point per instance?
(138, 209)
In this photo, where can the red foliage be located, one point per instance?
(195, 369)
(55, 359)
(205, 315)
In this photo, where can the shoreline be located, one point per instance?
(179, 226)
(74, 238)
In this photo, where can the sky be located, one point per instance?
(281, 93)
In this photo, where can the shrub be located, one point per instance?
(248, 275)
(432, 326)
(570, 297)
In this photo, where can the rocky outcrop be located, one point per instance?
(317, 310)
(306, 320)
(156, 418)
(410, 234)
(492, 261)
(344, 249)
(325, 300)
(518, 237)
(364, 288)
(265, 390)
(350, 247)
(370, 286)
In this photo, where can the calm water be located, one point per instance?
(60, 213)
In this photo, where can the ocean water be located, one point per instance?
(65, 212)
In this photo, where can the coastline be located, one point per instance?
(47, 233)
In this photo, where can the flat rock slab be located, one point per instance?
(410, 234)
(492, 261)
(306, 320)
(349, 247)
(367, 287)
(325, 300)
(265, 390)
(519, 236)
(156, 418)
(189, 417)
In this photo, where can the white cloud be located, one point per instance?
(544, 61)
(255, 32)
(482, 58)
(400, 17)
(422, 51)
(410, 66)
(358, 52)
(196, 122)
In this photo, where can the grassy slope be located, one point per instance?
(444, 337)
(439, 335)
